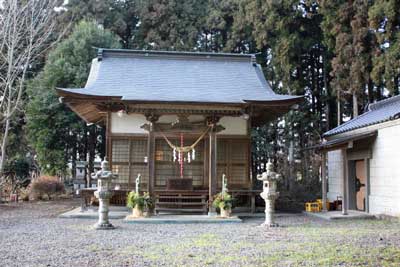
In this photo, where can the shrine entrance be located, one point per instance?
(180, 162)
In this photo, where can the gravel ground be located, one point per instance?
(32, 235)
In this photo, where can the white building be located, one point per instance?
(363, 160)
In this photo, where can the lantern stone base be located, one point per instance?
(104, 226)
(269, 225)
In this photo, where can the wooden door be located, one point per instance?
(360, 188)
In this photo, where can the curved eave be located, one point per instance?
(265, 111)
(69, 93)
(85, 105)
(289, 100)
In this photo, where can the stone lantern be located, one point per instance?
(269, 194)
(103, 193)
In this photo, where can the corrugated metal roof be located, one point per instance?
(378, 112)
(178, 77)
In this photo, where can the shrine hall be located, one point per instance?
(181, 120)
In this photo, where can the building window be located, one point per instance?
(128, 161)
(233, 161)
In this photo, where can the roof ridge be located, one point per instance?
(103, 51)
(384, 102)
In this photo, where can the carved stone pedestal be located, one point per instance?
(269, 211)
(103, 193)
(104, 204)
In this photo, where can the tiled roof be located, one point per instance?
(178, 77)
(378, 112)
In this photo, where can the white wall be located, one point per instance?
(130, 123)
(233, 126)
(384, 172)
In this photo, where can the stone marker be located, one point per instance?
(269, 194)
(103, 193)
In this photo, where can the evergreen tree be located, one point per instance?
(171, 25)
(384, 18)
(57, 134)
(347, 34)
(289, 36)
(120, 17)
(225, 28)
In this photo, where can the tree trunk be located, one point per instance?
(370, 91)
(92, 151)
(355, 105)
(4, 144)
(396, 90)
(339, 110)
(291, 157)
(73, 163)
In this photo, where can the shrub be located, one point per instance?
(223, 201)
(46, 186)
(144, 202)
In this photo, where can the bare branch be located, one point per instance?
(27, 29)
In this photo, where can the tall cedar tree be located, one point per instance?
(171, 25)
(288, 35)
(384, 19)
(348, 35)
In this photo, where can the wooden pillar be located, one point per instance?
(151, 146)
(212, 171)
(212, 162)
(253, 203)
(324, 181)
(150, 161)
(345, 198)
(108, 139)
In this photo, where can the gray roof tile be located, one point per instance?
(176, 76)
(378, 112)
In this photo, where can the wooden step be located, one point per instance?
(181, 203)
(181, 210)
(181, 197)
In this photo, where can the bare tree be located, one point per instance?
(27, 29)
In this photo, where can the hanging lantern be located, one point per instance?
(193, 154)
